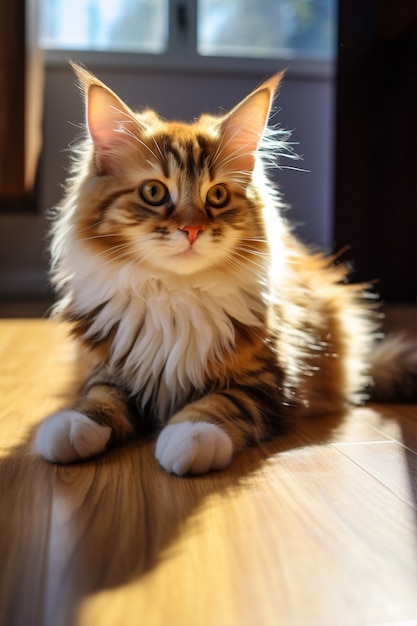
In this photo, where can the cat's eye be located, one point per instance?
(218, 196)
(154, 192)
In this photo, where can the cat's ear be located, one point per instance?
(111, 123)
(243, 127)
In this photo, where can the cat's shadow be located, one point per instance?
(73, 531)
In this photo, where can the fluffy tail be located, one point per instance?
(394, 369)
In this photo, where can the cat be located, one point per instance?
(207, 321)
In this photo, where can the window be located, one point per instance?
(187, 31)
(266, 28)
(118, 25)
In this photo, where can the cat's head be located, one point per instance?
(171, 196)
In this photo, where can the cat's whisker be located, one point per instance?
(101, 236)
(248, 260)
(121, 244)
(108, 256)
(110, 251)
(94, 225)
(257, 239)
(234, 262)
(243, 260)
(251, 250)
(258, 253)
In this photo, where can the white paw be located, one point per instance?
(68, 436)
(193, 448)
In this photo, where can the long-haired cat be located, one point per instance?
(207, 321)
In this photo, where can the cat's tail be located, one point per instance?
(394, 369)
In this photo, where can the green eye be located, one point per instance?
(154, 192)
(218, 196)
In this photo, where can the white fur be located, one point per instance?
(169, 326)
(193, 448)
(68, 436)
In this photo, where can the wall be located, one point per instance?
(306, 107)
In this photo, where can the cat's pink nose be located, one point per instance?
(192, 232)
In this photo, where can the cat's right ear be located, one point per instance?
(111, 123)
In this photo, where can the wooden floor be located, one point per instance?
(317, 528)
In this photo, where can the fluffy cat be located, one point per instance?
(207, 321)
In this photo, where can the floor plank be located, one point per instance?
(390, 463)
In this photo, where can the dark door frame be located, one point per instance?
(376, 143)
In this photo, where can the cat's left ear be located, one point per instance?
(111, 123)
(243, 128)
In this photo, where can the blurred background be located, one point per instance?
(349, 98)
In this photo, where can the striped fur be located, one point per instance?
(188, 290)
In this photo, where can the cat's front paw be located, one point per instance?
(69, 436)
(193, 448)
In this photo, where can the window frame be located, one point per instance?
(181, 54)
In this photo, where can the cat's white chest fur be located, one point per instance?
(168, 328)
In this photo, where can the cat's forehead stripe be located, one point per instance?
(191, 156)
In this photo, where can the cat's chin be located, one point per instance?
(188, 269)
(187, 263)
